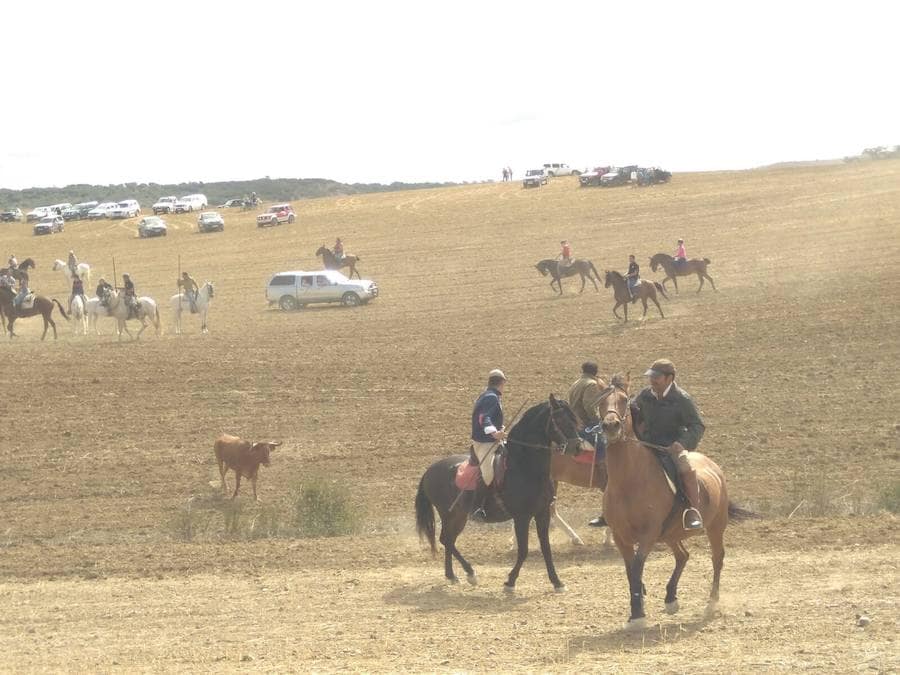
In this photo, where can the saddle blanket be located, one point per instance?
(27, 302)
(585, 457)
(468, 473)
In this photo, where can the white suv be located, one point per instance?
(128, 208)
(292, 290)
(165, 205)
(560, 170)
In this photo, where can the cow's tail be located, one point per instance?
(661, 289)
(61, 310)
(594, 270)
(425, 517)
(739, 514)
(707, 261)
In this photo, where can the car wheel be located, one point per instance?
(350, 299)
(291, 219)
(551, 174)
(288, 303)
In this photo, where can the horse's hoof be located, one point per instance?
(560, 589)
(509, 589)
(472, 579)
(636, 624)
(452, 580)
(672, 607)
(712, 607)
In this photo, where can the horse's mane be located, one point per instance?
(616, 275)
(619, 381)
(662, 255)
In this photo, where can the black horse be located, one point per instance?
(526, 493)
(585, 268)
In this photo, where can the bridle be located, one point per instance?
(552, 423)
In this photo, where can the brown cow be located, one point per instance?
(242, 457)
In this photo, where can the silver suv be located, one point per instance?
(292, 290)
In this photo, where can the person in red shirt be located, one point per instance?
(564, 257)
(339, 249)
(680, 255)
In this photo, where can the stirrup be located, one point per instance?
(479, 514)
(599, 521)
(699, 519)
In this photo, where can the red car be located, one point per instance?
(277, 214)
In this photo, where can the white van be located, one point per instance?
(191, 203)
(127, 208)
(43, 211)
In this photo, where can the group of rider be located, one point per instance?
(667, 420)
(633, 276)
(7, 280)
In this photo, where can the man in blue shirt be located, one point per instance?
(488, 432)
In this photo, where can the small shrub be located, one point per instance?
(322, 509)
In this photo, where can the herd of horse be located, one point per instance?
(640, 505)
(644, 291)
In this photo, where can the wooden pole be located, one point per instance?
(115, 278)
(178, 281)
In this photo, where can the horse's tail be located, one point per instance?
(594, 270)
(660, 288)
(707, 261)
(739, 514)
(158, 321)
(425, 517)
(61, 310)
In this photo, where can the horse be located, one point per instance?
(42, 306)
(119, 310)
(79, 313)
(180, 304)
(526, 491)
(645, 289)
(585, 268)
(331, 262)
(674, 270)
(83, 270)
(640, 508)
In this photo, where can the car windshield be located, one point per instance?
(209, 216)
(276, 209)
(534, 172)
(124, 205)
(167, 199)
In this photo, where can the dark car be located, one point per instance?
(232, 204)
(592, 178)
(12, 216)
(79, 211)
(49, 225)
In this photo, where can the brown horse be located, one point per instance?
(645, 289)
(674, 270)
(332, 263)
(641, 509)
(564, 469)
(42, 306)
(584, 268)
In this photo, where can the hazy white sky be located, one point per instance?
(112, 92)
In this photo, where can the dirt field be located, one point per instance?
(106, 444)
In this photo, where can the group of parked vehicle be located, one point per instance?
(605, 176)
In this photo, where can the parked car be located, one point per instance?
(210, 221)
(128, 208)
(49, 225)
(560, 170)
(292, 290)
(102, 210)
(190, 203)
(164, 205)
(592, 177)
(277, 214)
(78, 211)
(152, 226)
(535, 178)
(232, 204)
(12, 216)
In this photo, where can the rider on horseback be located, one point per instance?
(73, 263)
(633, 277)
(564, 257)
(103, 291)
(77, 290)
(680, 255)
(670, 419)
(23, 291)
(339, 250)
(12, 263)
(130, 296)
(585, 396)
(487, 434)
(7, 280)
(191, 290)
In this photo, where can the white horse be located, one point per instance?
(79, 313)
(96, 310)
(180, 304)
(83, 270)
(119, 310)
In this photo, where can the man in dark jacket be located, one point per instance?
(669, 418)
(488, 432)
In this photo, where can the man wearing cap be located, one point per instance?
(585, 396)
(670, 419)
(488, 431)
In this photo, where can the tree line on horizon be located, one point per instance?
(268, 189)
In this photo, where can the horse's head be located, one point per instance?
(654, 263)
(321, 251)
(614, 417)
(58, 265)
(261, 450)
(562, 427)
(608, 279)
(28, 263)
(542, 268)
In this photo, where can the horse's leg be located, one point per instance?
(542, 524)
(644, 302)
(451, 527)
(636, 585)
(582, 283)
(717, 550)
(615, 312)
(700, 278)
(655, 302)
(675, 281)
(626, 549)
(573, 535)
(681, 557)
(625, 309)
(522, 523)
(713, 283)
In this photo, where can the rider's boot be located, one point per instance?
(691, 519)
(479, 499)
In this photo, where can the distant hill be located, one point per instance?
(269, 189)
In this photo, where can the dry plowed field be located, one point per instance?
(118, 554)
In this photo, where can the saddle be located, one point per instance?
(667, 462)
(27, 302)
(469, 473)
(593, 436)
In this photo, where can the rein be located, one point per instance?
(622, 419)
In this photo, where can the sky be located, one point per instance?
(115, 92)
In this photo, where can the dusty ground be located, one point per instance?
(105, 444)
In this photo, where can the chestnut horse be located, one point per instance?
(674, 270)
(645, 289)
(331, 262)
(42, 306)
(584, 268)
(641, 509)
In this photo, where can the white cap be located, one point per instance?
(496, 372)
